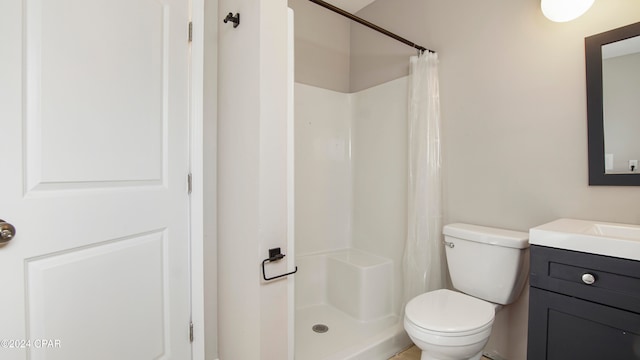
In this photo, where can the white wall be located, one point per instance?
(322, 169)
(252, 127)
(322, 46)
(379, 163)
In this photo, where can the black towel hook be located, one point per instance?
(234, 19)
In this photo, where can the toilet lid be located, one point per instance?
(449, 311)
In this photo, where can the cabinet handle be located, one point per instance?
(588, 278)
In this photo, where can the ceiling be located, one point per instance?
(351, 6)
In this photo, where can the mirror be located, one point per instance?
(613, 106)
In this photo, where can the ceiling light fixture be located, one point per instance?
(564, 10)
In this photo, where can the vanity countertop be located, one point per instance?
(595, 237)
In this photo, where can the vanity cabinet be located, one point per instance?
(583, 306)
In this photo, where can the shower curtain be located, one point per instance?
(422, 263)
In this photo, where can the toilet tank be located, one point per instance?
(487, 263)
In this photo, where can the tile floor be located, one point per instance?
(413, 353)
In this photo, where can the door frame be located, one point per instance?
(196, 159)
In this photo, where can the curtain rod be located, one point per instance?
(370, 25)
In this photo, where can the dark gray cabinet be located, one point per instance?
(583, 306)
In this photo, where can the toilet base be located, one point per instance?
(436, 347)
(471, 351)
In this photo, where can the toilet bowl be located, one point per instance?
(456, 325)
(449, 325)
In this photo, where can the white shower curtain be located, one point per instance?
(423, 265)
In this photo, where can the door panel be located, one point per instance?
(122, 302)
(94, 119)
(92, 88)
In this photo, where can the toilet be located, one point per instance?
(488, 268)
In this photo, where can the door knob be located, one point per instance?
(7, 232)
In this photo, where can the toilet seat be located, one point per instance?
(449, 313)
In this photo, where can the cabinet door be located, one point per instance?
(562, 327)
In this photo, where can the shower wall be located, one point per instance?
(379, 170)
(322, 169)
(351, 172)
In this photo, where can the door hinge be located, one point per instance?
(191, 332)
(189, 183)
(190, 31)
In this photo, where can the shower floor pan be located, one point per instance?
(346, 337)
(344, 307)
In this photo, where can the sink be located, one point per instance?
(618, 231)
(596, 237)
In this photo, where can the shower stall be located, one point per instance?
(351, 187)
(350, 201)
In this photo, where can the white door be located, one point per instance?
(93, 167)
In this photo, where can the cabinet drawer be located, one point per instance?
(617, 281)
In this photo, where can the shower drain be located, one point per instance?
(320, 328)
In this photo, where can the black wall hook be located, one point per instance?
(234, 19)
